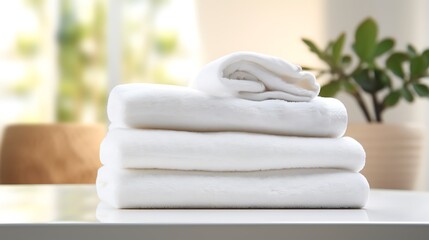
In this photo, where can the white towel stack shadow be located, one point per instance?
(249, 132)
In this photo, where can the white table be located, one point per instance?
(73, 212)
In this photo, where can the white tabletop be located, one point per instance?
(26, 208)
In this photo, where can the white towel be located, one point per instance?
(257, 77)
(297, 188)
(226, 151)
(180, 108)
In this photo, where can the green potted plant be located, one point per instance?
(378, 77)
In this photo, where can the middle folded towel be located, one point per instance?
(226, 151)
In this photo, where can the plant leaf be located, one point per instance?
(349, 87)
(406, 93)
(365, 40)
(392, 99)
(329, 47)
(421, 89)
(313, 48)
(330, 89)
(417, 67)
(369, 82)
(425, 55)
(337, 48)
(384, 46)
(394, 63)
(411, 50)
(383, 80)
(363, 79)
(327, 54)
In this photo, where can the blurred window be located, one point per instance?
(53, 54)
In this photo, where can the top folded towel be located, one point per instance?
(154, 106)
(256, 77)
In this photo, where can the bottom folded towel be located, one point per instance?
(291, 188)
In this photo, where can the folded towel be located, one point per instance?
(108, 214)
(256, 76)
(226, 151)
(180, 108)
(292, 188)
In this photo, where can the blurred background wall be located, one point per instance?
(53, 57)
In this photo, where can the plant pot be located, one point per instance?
(394, 153)
(50, 153)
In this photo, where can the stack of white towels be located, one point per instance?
(249, 132)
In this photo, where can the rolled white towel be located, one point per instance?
(297, 188)
(226, 151)
(256, 76)
(154, 106)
